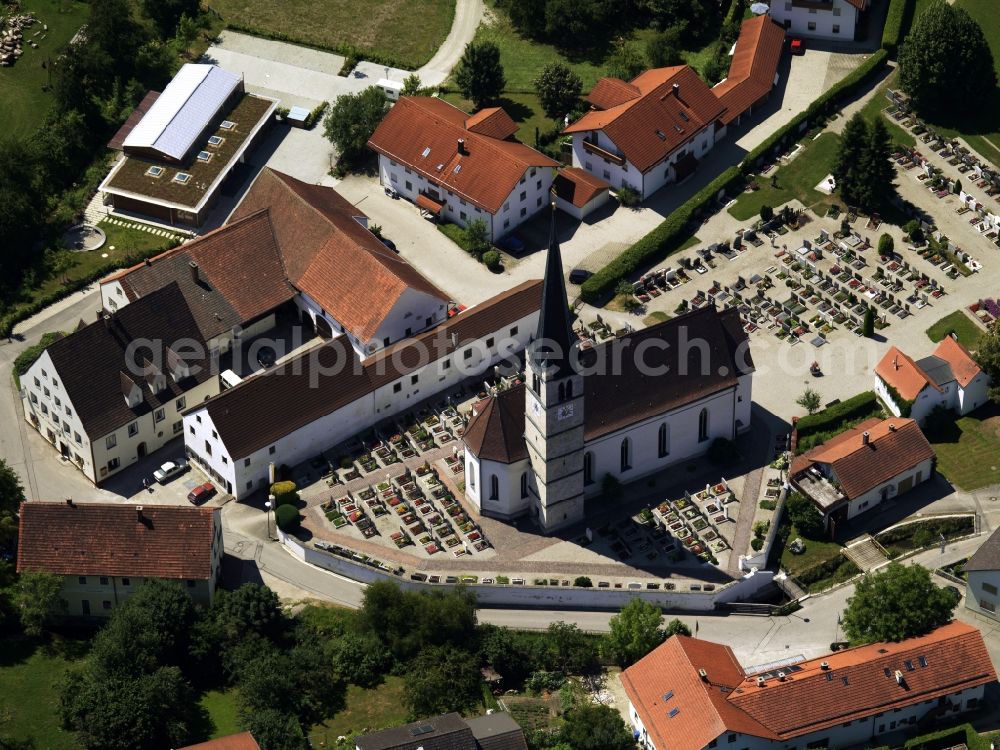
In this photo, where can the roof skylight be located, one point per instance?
(182, 178)
(155, 171)
(227, 124)
(204, 156)
(426, 151)
(215, 140)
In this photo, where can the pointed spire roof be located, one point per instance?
(554, 323)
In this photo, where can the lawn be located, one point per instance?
(408, 32)
(23, 85)
(366, 710)
(221, 709)
(967, 330)
(968, 451)
(816, 553)
(29, 691)
(797, 179)
(873, 109)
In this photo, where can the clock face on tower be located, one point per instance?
(565, 412)
(536, 407)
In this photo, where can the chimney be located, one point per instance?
(194, 271)
(761, 681)
(864, 437)
(461, 146)
(781, 676)
(454, 339)
(138, 513)
(895, 362)
(69, 502)
(892, 428)
(677, 90)
(149, 261)
(703, 675)
(824, 665)
(107, 320)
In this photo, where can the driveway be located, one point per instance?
(468, 14)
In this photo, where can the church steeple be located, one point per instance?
(554, 336)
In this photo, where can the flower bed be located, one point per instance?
(699, 524)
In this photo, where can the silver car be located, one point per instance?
(169, 470)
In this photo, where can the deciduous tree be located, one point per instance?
(625, 62)
(634, 632)
(596, 727)
(664, 48)
(558, 90)
(809, 400)
(440, 680)
(945, 64)
(37, 600)
(899, 602)
(352, 120)
(479, 74)
(804, 516)
(988, 357)
(166, 14)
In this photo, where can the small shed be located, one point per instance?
(578, 192)
(391, 89)
(297, 116)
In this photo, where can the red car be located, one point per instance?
(201, 493)
(797, 46)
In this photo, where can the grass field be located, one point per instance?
(221, 710)
(366, 710)
(873, 109)
(408, 32)
(968, 452)
(22, 85)
(797, 179)
(29, 691)
(968, 332)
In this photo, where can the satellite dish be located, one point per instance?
(759, 8)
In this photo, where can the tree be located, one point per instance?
(676, 627)
(804, 516)
(507, 652)
(570, 651)
(868, 325)
(625, 62)
(663, 49)
(809, 400)
(360, 658)
(296, 682)
(596, 727)
(766, 213)
(477, 237)
(635, 631)
(886, 244)
(479, 74)
(577, 23)
(166, 14)
(442, 679)
(945, 64)
(411, 85)
(987, 356)
(877, 170)
(352, 120)
(11, 489)
(528, 16)
(847, 168)
(37, 600)
(275, 730)
(899, 602)
(696, 20)
(558, 90)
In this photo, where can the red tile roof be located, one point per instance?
(117, 141)
(963, 366)
(611, 92)
(752, 69)
(492, 122)
(496, 432)
(329, 255)
(578, 186)
(113, 539)
(855, 685)
(650, 127)
(894, 446)
(241, 741)
(860, 4)
(903, 374)
(485, 175)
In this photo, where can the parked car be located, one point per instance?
(389, 244)
(266, 357)
(797, 46)
(511, 244)
(579, 275)
(201, 493)
(170, 470)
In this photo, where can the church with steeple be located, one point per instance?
(625, 408)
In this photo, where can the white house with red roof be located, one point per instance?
(823, 19)
(856, 470)
(461, 167)
(691, 694)
(949, 377)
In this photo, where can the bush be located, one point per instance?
(756, 544)
(491, 259)
(287, 517)
(542, 681)
(583, 582)
(284, 493)
(27, 358)
(628, 196)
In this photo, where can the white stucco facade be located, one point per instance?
(528, 197)
(948, 395)
(822, 19)
(982, 592)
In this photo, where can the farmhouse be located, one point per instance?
(104, 551)
(822, 19)
(653, 130)
(691, 694)
(179, 152)
(626, 408)
(862, 467)
(461, 167)
(982, 587)
(949, 378)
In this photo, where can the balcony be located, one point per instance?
(592, 148)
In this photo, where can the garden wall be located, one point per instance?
(744, 589)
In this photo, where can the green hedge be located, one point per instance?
(659, 243)
(863, 405)
(287, 517)
(897, 23)
(669, 235)
(943, 738)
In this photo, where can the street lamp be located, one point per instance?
(270, 508)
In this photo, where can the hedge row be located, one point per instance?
(897, 20)
(659, 243)
(669, 235)
(943, 738)
(862, 405)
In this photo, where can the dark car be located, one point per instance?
(266, 357)
(389, 244)
(579, 275)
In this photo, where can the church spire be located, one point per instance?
(554, 322)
